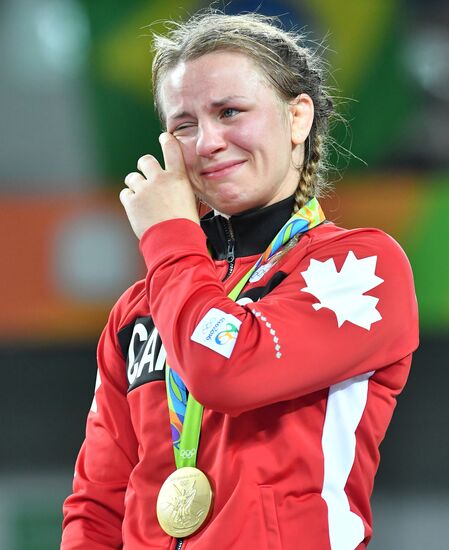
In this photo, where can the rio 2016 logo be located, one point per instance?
(226, 335)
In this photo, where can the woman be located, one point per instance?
(294, 335)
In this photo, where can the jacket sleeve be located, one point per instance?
(93, 513)
(347, 307)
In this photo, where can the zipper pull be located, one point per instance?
(230, 253)
(230, 250)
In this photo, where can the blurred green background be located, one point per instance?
(76, 113)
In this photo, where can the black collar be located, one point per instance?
(250, 232)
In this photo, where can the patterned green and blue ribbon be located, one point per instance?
(184, 411)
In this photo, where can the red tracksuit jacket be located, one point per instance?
(296, 404)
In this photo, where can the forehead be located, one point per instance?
(200, 82)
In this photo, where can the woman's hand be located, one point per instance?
(159, 195)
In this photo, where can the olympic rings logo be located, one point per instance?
(226, 335)
(187, 453)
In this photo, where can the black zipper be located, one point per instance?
(179, 544)
(230, 247)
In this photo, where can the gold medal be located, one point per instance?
(184, 502)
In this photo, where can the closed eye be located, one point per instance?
(184, 126)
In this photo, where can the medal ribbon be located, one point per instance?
(184, 411)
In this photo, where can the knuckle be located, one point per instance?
(130, 177)
(136, 180)
(123, 195)
(146, 161)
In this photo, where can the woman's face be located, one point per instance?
(235, 133)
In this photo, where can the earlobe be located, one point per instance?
(301, 113)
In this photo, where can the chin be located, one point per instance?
(231, 201)
(229, 205)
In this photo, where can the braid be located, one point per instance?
(309, 179)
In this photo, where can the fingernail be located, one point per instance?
(163, 138)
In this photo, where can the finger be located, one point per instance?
(133, 180)
(173, 159)
(149, 166)
(125, 195)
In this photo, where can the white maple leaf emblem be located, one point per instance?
(343, 292)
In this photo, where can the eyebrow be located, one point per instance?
(214, 104)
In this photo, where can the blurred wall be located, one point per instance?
(76, 112)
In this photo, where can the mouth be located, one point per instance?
(222, 169)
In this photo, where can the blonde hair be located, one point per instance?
(287, 64)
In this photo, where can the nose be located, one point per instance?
(210, 139)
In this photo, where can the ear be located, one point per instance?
(301, 111)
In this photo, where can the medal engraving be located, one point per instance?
(184, 502)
